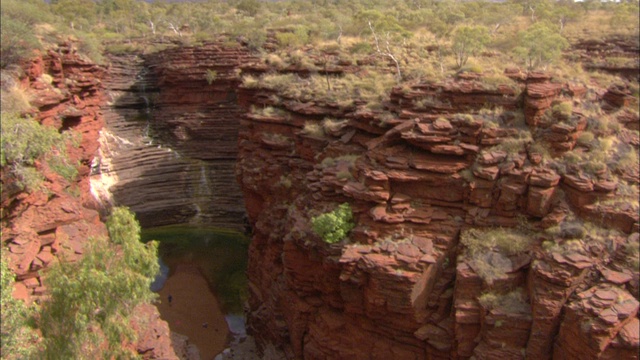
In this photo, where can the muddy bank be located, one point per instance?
(194, 311)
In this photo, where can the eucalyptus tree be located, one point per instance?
(467, 41)
(540, 45)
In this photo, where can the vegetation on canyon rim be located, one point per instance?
(90, 301)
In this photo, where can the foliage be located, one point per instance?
(249, 7)
(563, 109)
(540, 45)
(17, 337)
(335, 225)
(313, 129)
(17, 19)
(486, 250)
(507, 241)
(24, 141)
(296, 38)
(468, 40)
(210, 76)
(91, 299)
(15, 99)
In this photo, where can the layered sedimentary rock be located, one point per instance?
(55, 223)
(402, 286)
(416, 177)
(170, 140)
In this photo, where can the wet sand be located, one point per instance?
(193, 304)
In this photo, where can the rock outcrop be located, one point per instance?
(415, 177)
(432, 161)
(54, 224)
(169, 145)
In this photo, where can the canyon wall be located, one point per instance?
(434, 161)
(439, 159)
(54, 224)
(169, 145)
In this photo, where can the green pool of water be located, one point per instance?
(221, 256)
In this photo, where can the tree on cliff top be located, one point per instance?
(91, 300)
(468, 40)
(540, 45)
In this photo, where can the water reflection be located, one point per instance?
(197, 263)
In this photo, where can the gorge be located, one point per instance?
(428, 174)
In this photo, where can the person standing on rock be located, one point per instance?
(170, 298)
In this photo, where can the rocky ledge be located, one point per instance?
(43, 227)
(419, 173)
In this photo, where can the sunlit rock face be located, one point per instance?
(403, 286)
(170, 142)
(44, 227)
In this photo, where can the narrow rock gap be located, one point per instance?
(168, 152)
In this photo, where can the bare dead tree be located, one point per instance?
(388, 52)
(174, 28)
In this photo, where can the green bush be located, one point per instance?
(24, 140)
(564, 109)
(335, 225)
(297, 38)
(17, 339)
(17, 42)
(91, 300)
(210, 76)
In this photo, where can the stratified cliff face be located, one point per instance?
(403, 286)
(169, 144)
(55, 223)
(440, 158)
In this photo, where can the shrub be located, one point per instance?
(210, 76)
(18, 38)
(297, 38)
(91, 300)
(17, 338)
(344, 175)
(507, 241)
(333, 126)
(23, 141)
(15, 100)
(564, 109)
(361, 48)
(335, 225)
(471, 68)
(250, 82)
(275, 61)
(586, 138)
(313, 129)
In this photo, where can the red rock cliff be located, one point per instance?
(403, 286)
(55, 223)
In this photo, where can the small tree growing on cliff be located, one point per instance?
(335, 225)
(24, 141)
(87, 315)
(540, 45)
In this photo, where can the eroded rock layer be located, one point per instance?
(170, 141)
(403, 286)
(55, 223)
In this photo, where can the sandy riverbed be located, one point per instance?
(193, 305)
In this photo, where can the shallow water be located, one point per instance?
(203, 269)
